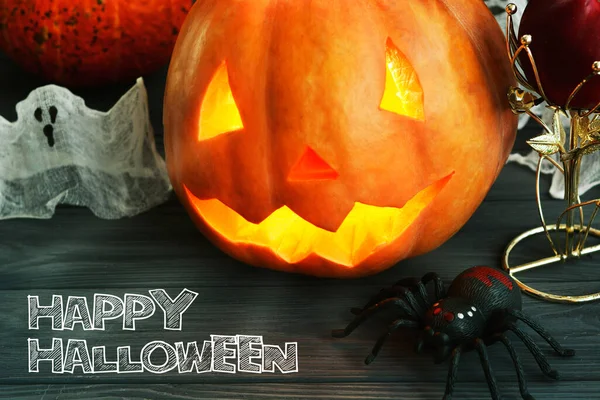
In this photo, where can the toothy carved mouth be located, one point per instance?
(293, 239)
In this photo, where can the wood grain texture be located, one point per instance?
(77, 254)
(290, 391)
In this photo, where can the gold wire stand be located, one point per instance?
(545, 261)
(583, 139)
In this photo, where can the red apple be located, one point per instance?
(565, 44)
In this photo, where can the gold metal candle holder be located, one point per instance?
(583, 139)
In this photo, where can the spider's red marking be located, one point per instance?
(449, 316)
(483, 274)
(437, 311)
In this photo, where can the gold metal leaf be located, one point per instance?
(550, 142)
(586, 130)
(594, 125)
(558, 128)
(520, 101)
(545, 144)
(581, 127)
(591, 148)
(580, 152)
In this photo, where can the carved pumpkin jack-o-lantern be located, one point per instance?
(334, 138)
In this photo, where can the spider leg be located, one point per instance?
(487, 368)
(440, 290)
(383, 294)
(540, 358)
(410, 297)
(421, 290)
(359, 319)
(452, 373)
(518, 367)
(543, 333)
(393, 326)
(395, 292)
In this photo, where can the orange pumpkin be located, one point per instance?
(90, 42)
(335, 138)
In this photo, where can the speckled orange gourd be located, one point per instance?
(90, 42)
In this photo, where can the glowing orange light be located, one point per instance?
(292, 238)
(403, 93)
(310, 167)
(219, 113)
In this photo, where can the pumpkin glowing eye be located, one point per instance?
(403, 93)
(219, 113)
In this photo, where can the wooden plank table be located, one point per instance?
(77, 254)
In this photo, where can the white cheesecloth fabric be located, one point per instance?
(59, 151)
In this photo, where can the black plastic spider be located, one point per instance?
(481, 304)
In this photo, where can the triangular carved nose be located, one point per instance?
(311, 167)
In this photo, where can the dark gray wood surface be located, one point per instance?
(77, 254)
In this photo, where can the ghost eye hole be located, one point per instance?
(219, 112)
(403, 93)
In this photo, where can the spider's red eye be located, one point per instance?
(449, 316)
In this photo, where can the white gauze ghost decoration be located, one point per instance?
(59, 151)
